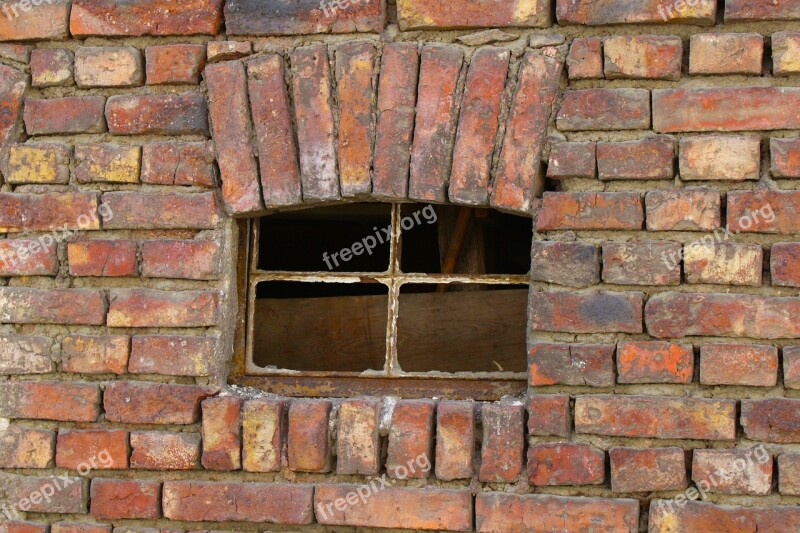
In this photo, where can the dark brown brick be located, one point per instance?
(572, 160)
(575, 264)
(293, 17)
(73, 114)
(157, 114)
(592, 312)
(571, 364)
(605, 109)
(785, 264)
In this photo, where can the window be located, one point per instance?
(407, 299)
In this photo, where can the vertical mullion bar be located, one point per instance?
(392, 365)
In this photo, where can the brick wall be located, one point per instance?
(664, 377)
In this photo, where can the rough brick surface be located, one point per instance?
(641, 263)
(51, 67)
(50, 400)
(95, 449)
(108, 66)
(654, 362)
(590, 312)
(172, 355)
(121, 498)
(572, 160)
(25, 354)
(723, 263)
(736, 10)
(791, 367)
(181, 259)
(157, 450)
(549, 415)
(726, 53)
(573, 264)
(720, 157)
(137, 308)
(755, 477)
(683, 210)
(575, 364)
(221, 433)
(35, 21)
(153, 403)
(649, 158)
(100, 257)
(604, 109)
(789, 469)
(565, 464)
(56, 306)
(308, 440)
(292, 17)
(168, 210)
(157, 114)
(22, 447)
(503, 442)
(455, 440)
(37, 163)
(774, 420)
(357, 442)
(646, 56)
(174, 64)
(786, 53)
(145, 17)
(439, 14)
(763, 211)
(665, 516)
(95, 354)
(647, 470)
(178, 163)
(588, 210)
(785, 158)
(72, 114)
(585, 59)
(20, 490)
(410, 447)
(785, 264)
(262, 435)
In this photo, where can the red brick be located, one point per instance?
(51, 67)
(157, 114)
(100, 257)
(549, 415)
(746, 474)
(641, 263)
(156, 450)
(73, 114)
(221, 431)
(789, 474)
(311, 88)
(53, 306)
(720, 157)
(726, 53)
(50, 400)
(232, 128)
(37, 162)
(727, 315)
(123, 498)
(13, 84)
(785, 158)
(439, 14)
(455, 440)
(726, 109)
(279, 17)
(647, 470)
(520, 174)
(585, 58)
(204, 501)
(604, 109)
(592, 312)
(643, 57)
(22, 447)
(572, 160)
(178, 163)
(25, 354)
(180, 259)
(763, 211)
(426, 509)
(21, 492)
(272, 118)
(498, 512)
(736, 10)
(683, 210)
(23, 527)
(723, 263)
(701, 13)
(574, 264)
(27, 257)
(591, 210)
(571, 364)
(226, 50)
(108, 66)
(88, 354)
(139, 308)
(786, 52)
(791, 367)
(654, 362)
(145, 17)
(503, 442)
(92, 449)
(21, 53)
(773, 420)
(357, 443)
(397, 97)
(657, 417)
(175, 64)
(23, 21)
(354, 67)
(410, 449)
(134, 210)
(172, 355)
(262, 434)
(78, 527)
(153, 403)
(565, 464)
(649, 158)
(308, 441)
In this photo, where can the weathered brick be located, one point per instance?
(477, 127)
(736, 10)
(656, 417)
(498, 512)
(156, 450)
(153, 403)
(604, 109)
(262, 434)
(503, 442)
(574, 264)
(641, 263)
(439, 14)
(180, 259)
(565, 463)
(585, 58)
(37, 162)
(397, 98)
(572, 160)
(520, 174)
(175, 64)
(785, 158)
(226, 50)
(772, 420)
(701, 12)
(571, 364)
(90, 354)
(311, 88)
(726, 109)
(145, 17)
(108, 66)
(134, 210)
(203, 501)
(27, 257)
(786, 53)
(410, 448)
(172, 355)
(654, 362)
(549, 415)
(683, 210)
(308, 440)
(25, 354)
(23, 527)
(728, 315)
(50, 400)
(157, 114)
(27, 21)
(43, 212)
(592, 312)
(723, 263)
(52, 306)
(138, 308)
(290, 17)
(791, 367)
(22, 447)
(13, 84)
(720, 157)
(647, 470)
(726, 53)
(426, 509)
(745, 474)
(125, 498)
(591, 210)
(221, 432)
(101, 257)
(649, 158)
(92, 449)
(357, 441)
(643, 57)
(789, 474)
(231, 128)
(737, 364)
(178, 163)
(763, 211)
(19, 52)
(107, 163)
(455, 440)
(51, 67)
(19, 492)
(79, 527)
(72, 114)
